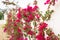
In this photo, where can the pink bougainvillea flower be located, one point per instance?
(31, 32)
(47, 2)
(29, 8)
(5, 29)
(27, 27)
(50, 1)
(26, 39)
(25, 12)
(40, 36)
(15, 24)
(48, 38)
(19, 16)
(30, 17)
(51, 33)
(37, 16)
(19, 31)
(35, 8)
(42, 26)
(11, 37)
(21, 38)
(51, 37)
(27, 20)
(17, 20)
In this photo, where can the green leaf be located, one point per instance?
(48, 14)
(34, 23)
(43, 18)
(47, 11)
(48, 31)
(1, 16)
(51, 11)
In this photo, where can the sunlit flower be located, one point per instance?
(29, 9)
(47, 2)
(31, 32)
(42, 26)
(19, 16)
(40, 36)
(35, 8)
(37, 16)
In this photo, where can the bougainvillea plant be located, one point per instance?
(19, 23)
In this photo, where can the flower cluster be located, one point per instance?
(50, 2)
(19, 26)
